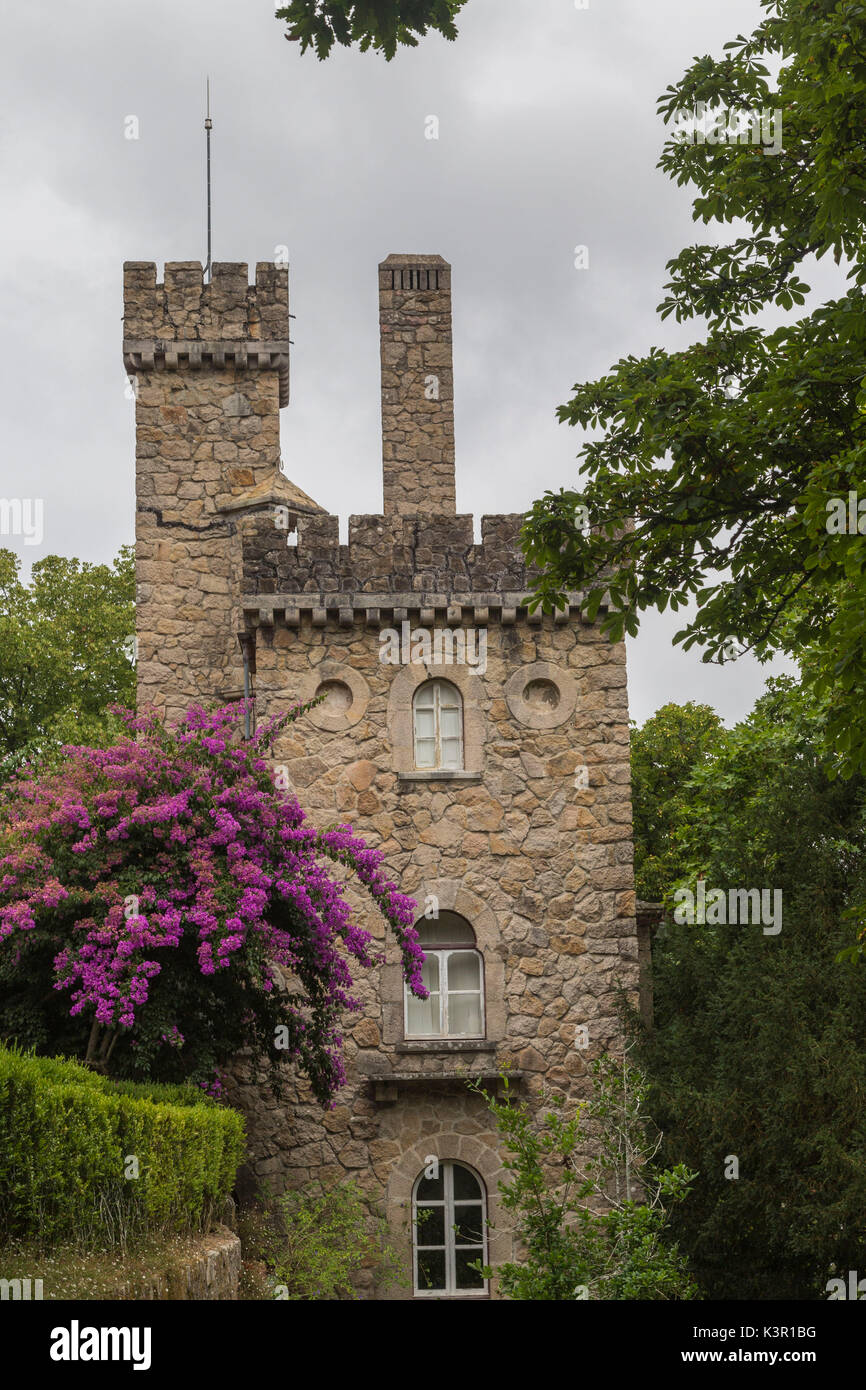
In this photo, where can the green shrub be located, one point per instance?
(71, 1142)
(592, 1226)
(309, 1243)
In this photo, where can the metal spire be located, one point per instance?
(208, 124)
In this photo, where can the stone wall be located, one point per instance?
(541, 869)
(530, 840)
(420, 554)
(197, 1268)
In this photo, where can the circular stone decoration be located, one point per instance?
(338, 697)
(542, 695)
(346, 694)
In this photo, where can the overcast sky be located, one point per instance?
(548, 139)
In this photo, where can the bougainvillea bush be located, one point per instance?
(163, 904)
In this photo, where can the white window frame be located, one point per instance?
(450, 1247)
(438, 687)
(445, 953)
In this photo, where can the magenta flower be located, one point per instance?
(180, 832)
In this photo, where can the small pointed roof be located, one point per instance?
(276, 491)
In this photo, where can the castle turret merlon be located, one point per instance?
(417, 386)
(185, 322)
(386, 554)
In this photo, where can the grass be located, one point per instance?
(112, 1273)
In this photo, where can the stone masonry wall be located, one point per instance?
(413, 554)
(541, 869)
(417, 385)
(211, 369)
(530, 841)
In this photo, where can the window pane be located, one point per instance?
(425, 752)
(425, 726)
(466, 1185)
(430, 1226)
(451, 752)
(446, 929)
(425, 696)
(449, 695)
(464, 970)
(467, 1224)
(431, 1189)
(430, 1265)
(464, 1015)
(450, 722)
(422, 1016)
(468, 1278)
(430, 973)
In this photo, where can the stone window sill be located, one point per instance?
(439, 775)
(426, 1046)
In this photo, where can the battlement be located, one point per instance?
(183, 307)
(385, 555)
(184, 322)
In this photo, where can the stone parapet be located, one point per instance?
(387, 555)
(226, 322)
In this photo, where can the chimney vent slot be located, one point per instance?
(414, 278)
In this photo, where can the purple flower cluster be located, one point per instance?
(181, 830)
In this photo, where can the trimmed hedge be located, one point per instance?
(67, 1136)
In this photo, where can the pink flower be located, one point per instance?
(181, 832)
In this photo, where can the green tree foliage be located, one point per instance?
(664, 752)
(727, 456)
(592, 1227)
(757, 1051)
(313, 1241)
(64, 653)
(378, 24)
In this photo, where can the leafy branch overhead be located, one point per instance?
(715, 476)
(382, 25)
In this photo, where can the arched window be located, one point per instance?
(449, 1225)
(438, 718)
(453, 973)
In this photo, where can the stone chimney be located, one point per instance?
(417, 386)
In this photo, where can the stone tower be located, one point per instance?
(484, 749)
(211, 366)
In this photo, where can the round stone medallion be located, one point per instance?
(346, 694)
(541, 695)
